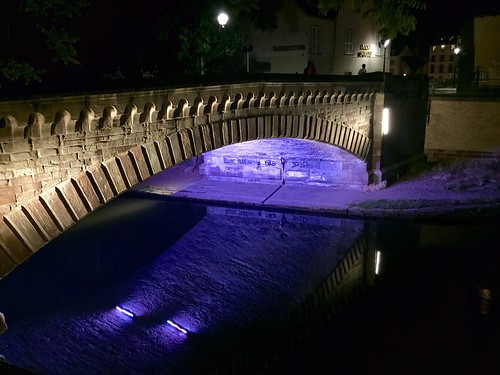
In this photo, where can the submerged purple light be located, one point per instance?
(125, 311)
(177, 327)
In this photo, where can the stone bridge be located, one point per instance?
(62, 158)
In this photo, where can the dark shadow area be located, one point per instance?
(79, 85)
(432, 311)
(78, 263)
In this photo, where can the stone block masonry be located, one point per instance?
(461, 129)
(53, 173)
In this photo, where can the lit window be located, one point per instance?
(442, 47)
(315, 46)
(349, 44)
(452, 47)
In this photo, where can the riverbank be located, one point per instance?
(463, 191)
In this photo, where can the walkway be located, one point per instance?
(418, 198)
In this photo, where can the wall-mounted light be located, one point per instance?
(378, 257)
(385, 121)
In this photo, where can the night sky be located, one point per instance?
(445, 18)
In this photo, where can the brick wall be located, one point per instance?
(462, 128)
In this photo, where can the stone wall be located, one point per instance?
(53, 173)
(461, 128)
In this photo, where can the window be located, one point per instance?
(441, 58)
(441, 68)
(452, 57)
(349, 44)
(432, 69)
(433, 58)
(315, 42)
(450, 68)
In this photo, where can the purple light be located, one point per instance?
(125, 311)
(177, 327)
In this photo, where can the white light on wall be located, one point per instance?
(378, 256)
(385, 121)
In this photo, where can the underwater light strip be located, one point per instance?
(125, 311)
(177, 327)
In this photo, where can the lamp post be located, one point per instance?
(455, 63)
(386, 43)
(223, 18)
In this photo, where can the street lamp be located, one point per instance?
(456, 51)
(223, 18)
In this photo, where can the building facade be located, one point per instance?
(486, 52)
(442, 64)
(337, 44)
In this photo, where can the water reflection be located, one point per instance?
(219, 288)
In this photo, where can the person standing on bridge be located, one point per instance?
(310, 68)
(3, 328)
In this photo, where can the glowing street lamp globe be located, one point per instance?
(222, 18)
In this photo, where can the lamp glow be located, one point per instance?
(222, 18)
(177, 326)
(125, 311)
(377, 262)
(385, 121)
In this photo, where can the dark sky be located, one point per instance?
(445, 18)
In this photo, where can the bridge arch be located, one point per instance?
(118, 151)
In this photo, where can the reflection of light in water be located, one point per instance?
(377, 262)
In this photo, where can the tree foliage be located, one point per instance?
(394, 17)
(207, 48)
(35, 33)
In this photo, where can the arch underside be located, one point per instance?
(36, 222)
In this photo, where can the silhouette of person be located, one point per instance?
(362, 70)
(310, 68)
(3, 325)
(3, 328)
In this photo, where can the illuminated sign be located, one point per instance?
(364, 50)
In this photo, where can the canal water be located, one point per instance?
(151, 286)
